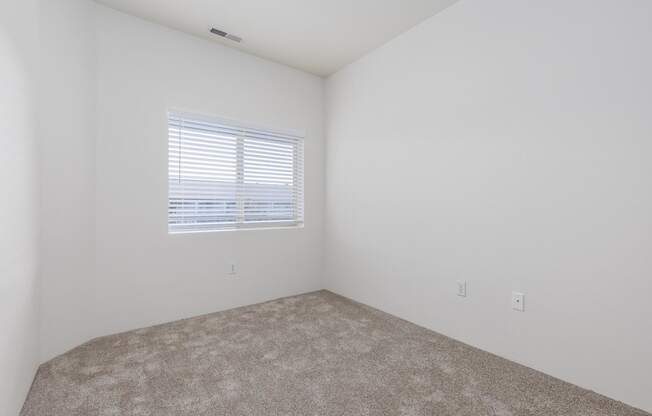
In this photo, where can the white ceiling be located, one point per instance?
(317, 36)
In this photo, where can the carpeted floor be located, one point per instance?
(314, 354)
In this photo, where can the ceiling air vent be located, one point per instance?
(226, 35)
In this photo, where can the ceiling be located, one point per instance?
(317, 36)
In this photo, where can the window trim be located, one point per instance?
(297, 135)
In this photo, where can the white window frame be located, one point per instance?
(245, 131)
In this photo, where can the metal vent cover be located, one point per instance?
(226, 35)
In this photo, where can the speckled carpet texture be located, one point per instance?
(314, 354)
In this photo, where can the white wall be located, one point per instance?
(507, 143)
(143, 275)
(68, 91)
(110, 172)
(18, 211)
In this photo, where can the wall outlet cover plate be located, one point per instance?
(461, 288)
(518, 301)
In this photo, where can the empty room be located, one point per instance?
(311, 207)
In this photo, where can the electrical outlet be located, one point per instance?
(518, 301)
(461, 288)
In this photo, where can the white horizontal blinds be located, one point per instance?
(224, 176)
(272, 171)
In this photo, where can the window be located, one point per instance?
(224, 175)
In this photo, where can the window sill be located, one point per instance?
(253, 228)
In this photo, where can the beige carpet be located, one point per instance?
(314, 354)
